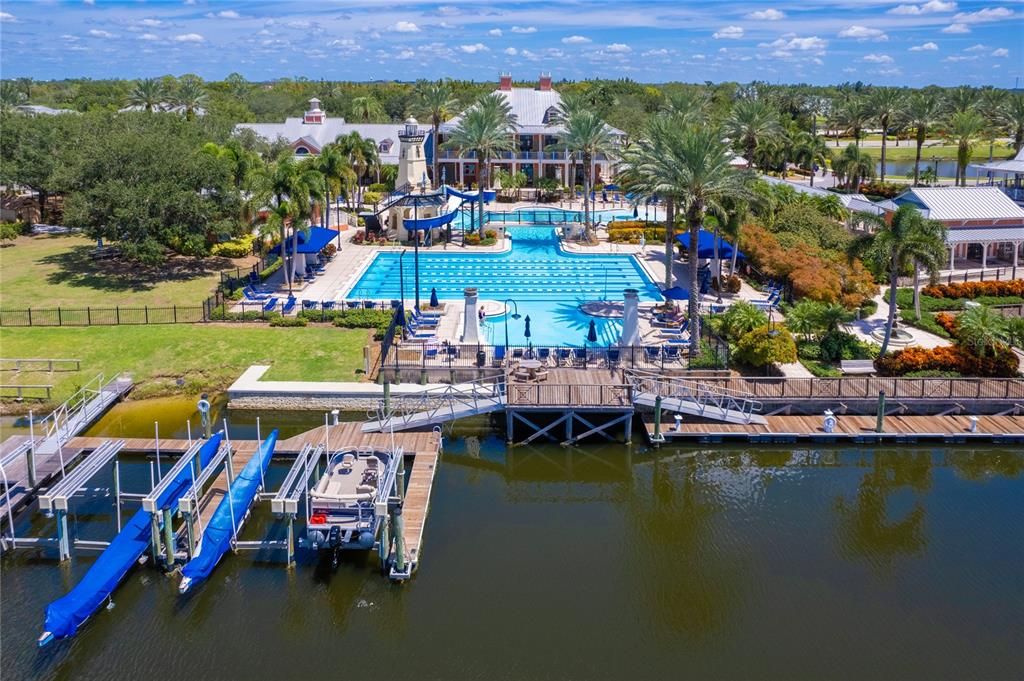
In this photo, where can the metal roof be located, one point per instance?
(1013, 165)
(531, 108)
(853, 202)
(963, 203)
(321, 134)
(983, 234)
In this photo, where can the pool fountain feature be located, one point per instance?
(898, 337)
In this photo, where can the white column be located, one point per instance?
(630, 318)
(952, 257)
(984, 255)
(471, 323)
(1016, 249)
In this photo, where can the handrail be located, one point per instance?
(20, 362)
(434, 401)
(695, 391)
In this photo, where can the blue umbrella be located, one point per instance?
(526, 332)
(433, 298)
(676, 293)
(636, 212)
(592, 332)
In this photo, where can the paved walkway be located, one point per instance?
(862, 328)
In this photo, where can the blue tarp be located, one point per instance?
(217, 536)
(314, 242)
(706, 245)
(65, 615)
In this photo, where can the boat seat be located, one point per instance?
(366, 489)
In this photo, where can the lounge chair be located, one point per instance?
(565, 357)
(369, 304)
(289, 305)
(328, 304)
(613, 358)
(652, 353)
(544, 355)
(517, 353)
(270, 305)
(499, 356)
(579, 358)
(429, 313)
(672, 353)
(308, 304)
(353, 304)
(424, 320)
(430, 352)
(253, 294)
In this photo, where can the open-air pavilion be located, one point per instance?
(1008, 175)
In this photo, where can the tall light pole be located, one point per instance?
(515, 315)
(401, 283)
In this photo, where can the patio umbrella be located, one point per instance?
(433, 298)
(526, 332)
(676, 293)
(592, 332)
(636, 212)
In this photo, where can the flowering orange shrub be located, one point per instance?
(976, 289)
(1003, 364)
(948, 322)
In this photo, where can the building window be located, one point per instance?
(550, 114)
(301, 151)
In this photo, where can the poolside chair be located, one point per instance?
(421, 318)
(270, 305)
(613, 357)
(517, 353)
(253, 294)
(308, 304)
(579, 357)
(565, 356)
(369, 304)
(353, 304)
(328, 304)
(430, 352)
(672, 353)
(544, 355)
(395, 304)
(652, 353)
(499, 356)
(428, 313)
(289, 305)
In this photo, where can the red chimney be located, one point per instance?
(545, 82)
(505, 83)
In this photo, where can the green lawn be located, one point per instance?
(205, 357)
(56, 271)
(907, 151)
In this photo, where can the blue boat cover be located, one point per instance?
(706, 245)
(65, 615)
(218, 533)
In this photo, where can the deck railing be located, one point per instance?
(868, 387)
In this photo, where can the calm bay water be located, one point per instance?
(594, 563)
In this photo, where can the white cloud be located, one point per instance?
(97, 33)
(656, 53)
(150, 23)
(406, 54)
(766, 15)
(225, 14)
(89, 2)
(975, 48)
(983, 15)
(474, 48)
(620, 48)
(957, 28)
(878, 58)
(862, 33)
(523, 29)
(70, 38)
(405, 27)
(575, 40)
(728, 32)
(511, 51)
(792, 42)
(149, 36)
(7, 18)
(927, 47)
(189, 38)
(1001, 52)
(496, 32)
(926, 8)
(956, 58)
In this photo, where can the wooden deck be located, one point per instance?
(417, 501)
(575, 388)
(47, 470)
(849, 427)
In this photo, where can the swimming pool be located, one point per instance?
(552, 216)
(546, 283)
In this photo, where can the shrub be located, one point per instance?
(359, 319)
(708, 358)
(288, 321)
(474, 239)
(762, 347)
(839, 345)
(222, 314)
(810, 226)
(9, 231)
(329, 250)
(977, 289)
(887, 190)
(372, 198)
(926, 323)
(236, 248)
(270, 269)
(947, 322)
(740, 319)
(490, 234)
(378, 187)
(956, 358)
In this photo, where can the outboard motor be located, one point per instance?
(334, 541)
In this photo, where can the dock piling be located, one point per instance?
(880, 416)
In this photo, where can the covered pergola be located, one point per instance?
(996, 247)
(1011, 171)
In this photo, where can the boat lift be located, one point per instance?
(150, 502)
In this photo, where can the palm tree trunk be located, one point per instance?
(434, 144)
(917, 158)
(735, 252)
(917, 291)
(893, 282)
(882, 179)
(670, 216)
(586, 195)
(284, 261)
(295, 251)
(693, 308)
(480, 187)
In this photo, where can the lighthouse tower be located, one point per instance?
(412, 159)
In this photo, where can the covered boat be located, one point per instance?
(230, 514)
(67, 614)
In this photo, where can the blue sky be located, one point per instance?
(816, 41)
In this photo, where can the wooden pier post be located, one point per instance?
(154, 537)
(399, 523)
(880, 416)
(508, 426)
(629, 430)
(291, 541)
(384, 546)
(63, 545)
(169, 538)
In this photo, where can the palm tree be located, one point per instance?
(981, 329)
(485, 129)
(585, 134)
(964, 129)
(896, 246)
(853, 114)
(1013, 117)
(11, 96)
(361, 153)
(332, 165)
(436, 101)
(281, 181)
(751, 121)
(887, 105)
(367, 109)
(923, 112)
(931, 260)
(961, 100)
(690, 168)
(854, 165)
(190, 95)
(993, 103)
(809, 150)
(805, 318)
(689, 107)
(148, 93)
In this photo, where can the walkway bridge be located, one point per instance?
(439, 405)
(694, 397)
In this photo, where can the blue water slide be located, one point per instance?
(229, 515)
(66, 614)
(489, 195)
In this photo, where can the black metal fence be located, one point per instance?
(105, 316)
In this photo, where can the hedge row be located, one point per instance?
(976, 289)
(1003, 364)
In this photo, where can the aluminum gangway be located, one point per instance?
(79, 412)
(439, 405)
(694, 397)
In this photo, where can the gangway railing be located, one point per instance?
(78, 411)
(429, 406)
(703, 395)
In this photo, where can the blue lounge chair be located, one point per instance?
(565, 356)
(289, 305)
(517, 353)
(430, 352)
(544, 354)
(328, 304)
(613, 357)
(353, 304)
(652, 353)
(308, 304)
(369, 304)
(499, 356)
(429, 314)
(270, 305)
(672, 353)
(253, 294)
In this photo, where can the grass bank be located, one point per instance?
(58, 271)
(186, 358)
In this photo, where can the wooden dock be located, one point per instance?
(849, 428)
(417, 501)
